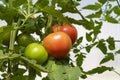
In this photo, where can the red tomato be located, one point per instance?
(67, 28)
(57, 44)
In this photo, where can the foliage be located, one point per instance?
(20, 17)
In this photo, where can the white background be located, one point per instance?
(94, 57)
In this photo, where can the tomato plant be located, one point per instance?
(69, 29)
(18, 53)
(58, 44)
(25, 39)
(37, 52)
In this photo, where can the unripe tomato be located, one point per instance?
(57, 44)
(67, 28)
(6, 39)
(37, 52)
(25, 39)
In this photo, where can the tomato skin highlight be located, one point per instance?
(37, 52)
(67, 28)
(57, 44)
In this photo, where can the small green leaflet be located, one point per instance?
(95, 6)
(116, 10)
(102, 1)
(95, 15)
(111, 43)
(53, 12)
(59, 71)
(107, 58)
(33, 64)
(102, 46)
(99, 70)
(111, 19)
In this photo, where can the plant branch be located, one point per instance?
(29, 6)
(105, 10)
(10, 3)
(118, 2)
(96, 43)
(116, 72)
(80, 14)
(9, 70)
(49, 23)
(12, 39)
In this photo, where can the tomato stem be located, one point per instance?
(116, 72)
(12, 40)
(49, 23)
(9, 70)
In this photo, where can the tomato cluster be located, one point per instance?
(56, 44)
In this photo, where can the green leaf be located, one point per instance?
(13, 56)
(97, 29)
(80, 59)
(111, 43)
(21, 77)
(112, 0)
(76, 50)
(53, 12)
(88, 36)
(7, 14)
(87, 24)
(116, 10)
(95, 15)
(99, 70)
(102, 46)
(42, 3)
(60, 71)
(67, 5)
(110, 19)
(102, 1)
(73, 73)
(107, 58)
(74, 21)
(3, 65)
(19, 72)
(34, 65)
(95, 6)
(77, 43)
(18, 3)
(88, 48)
(3, 56)
(118, 51)
(3, 59)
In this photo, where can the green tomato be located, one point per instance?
(6, 39)
(25, 39)
(37, 52)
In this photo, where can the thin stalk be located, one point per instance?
(11, 48)
(49, 23)
(104, 12)
(10, 3)
(12, 39)
(118, 2)
(116, 72)
(80, 14)
(9, 70)
(29, 6)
